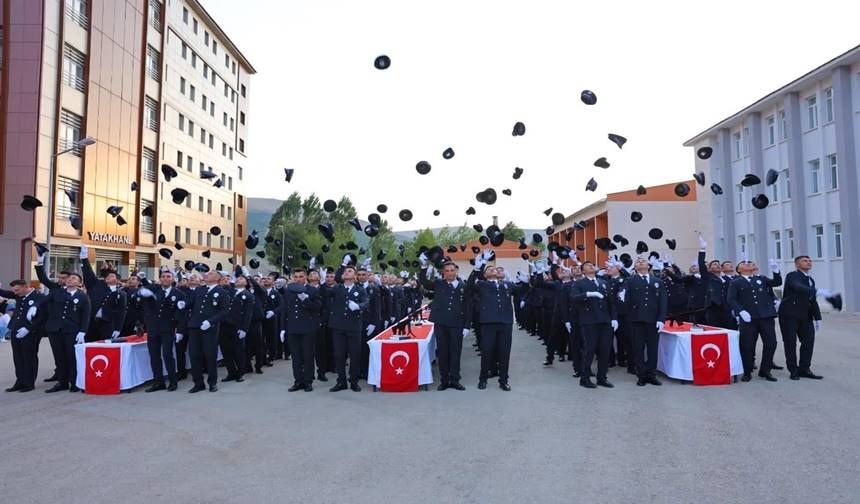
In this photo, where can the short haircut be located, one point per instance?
(347, 268)
(801, 257)
(162, 272)
(299, 270)
(274, 275)
(65, 272)
(72, 273)
(726, 262)
(15, 283)
(712, 261)
(450, 263)
(359, 270)
(581, 266)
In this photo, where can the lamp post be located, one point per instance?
(80, 144)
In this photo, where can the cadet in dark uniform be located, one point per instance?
(186, 286)
(696, 294)
(617, 282)
(271, 320)
(208, 305)
(799, 318)
(67, 324)
(235, 327)
(451, 314)
(25, 328)
(645, 296)
(301, 308)
(134, 308)
(164, 312)
(751, 299)
(108, 301)
(254, 344)
(717, 312)
(598, 320)
(347, 301)
(324, 347)
(371, 317)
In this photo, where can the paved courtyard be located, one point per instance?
(548, 440)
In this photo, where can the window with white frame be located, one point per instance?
(783, 125)
(828, 104)
(191, 128)
(153, 63)
(774, 192)
(155, 14)
(832, 172)
(815, 176)
(192, 92)
(770, 126)
(221, 241)
(786, 180)
(740, 197)
(184, 51)
(818, 232)
(70, 131)
(199, 237)
(742, 246)
(789, 235)
(177, 234)
(185, 15)
(150, 113)
(146, 223)
(73, 67)
(189, 161)
(737, 142)
(67, 198)
(182, 85)
(811, 112)
(229, 243)
(204, 102)
(746, 141)
(180, 159)
(837, 239)
(777, 245)
(77, 11)
(147, 165)
(195, 25)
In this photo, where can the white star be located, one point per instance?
(711, 363)
(98, 374)
(399, 371)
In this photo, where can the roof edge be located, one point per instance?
(208, 19)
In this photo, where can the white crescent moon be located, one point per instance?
(398, 354)
(707, 347)
(98, 358)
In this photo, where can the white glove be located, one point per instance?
(241, 334)
(114, 335)
(283, 333)
(205, 325)
(85, 252)
(99, 313)
(823, 293)
(365, 263)
(622, 294)
(393, 320)
(817, 324)
(774, 266)
(594, 294)
(370, 329)
(353, 305)
(22, 332)
(521, 277)
(141, 274)
(385, 324)
(40, 260)
(522, 304)
(313, 263)
(568, 327)
(345, 261)
(422, 259)
(302, 296)
(79, 339)
(703, 245)
(660, 326)
(656, 265)
(31, 313)
(246, 271)
(614, 324)
(144, 292)
(270, 314)
(488, 254)
(479, 261)
(465, 332)
(179, 337)
(745, 316)
(776, 304)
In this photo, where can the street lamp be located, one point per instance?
(80, 144)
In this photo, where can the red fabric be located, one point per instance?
(399, 367)
(711, 359)
(418, 332)
(670, 326)
(102, 370)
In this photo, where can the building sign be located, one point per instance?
(109, 238)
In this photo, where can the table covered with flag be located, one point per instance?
(106, 367)
(705, 355)
(402, 365)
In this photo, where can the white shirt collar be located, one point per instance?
(167, 291)
(454, 283)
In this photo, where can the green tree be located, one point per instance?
(512, 231)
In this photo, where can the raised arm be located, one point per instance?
(43, 277)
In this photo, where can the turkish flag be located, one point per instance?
(102, 370)
(711, 359)
(399, 367)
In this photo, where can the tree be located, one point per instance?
(512, 231)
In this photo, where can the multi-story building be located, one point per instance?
(95, 97)
(806, 131)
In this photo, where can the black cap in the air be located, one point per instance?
(641, 247)
(641, 191)
(655, 233)
(617, 140)
(330, 206)
(448, 153)
(750, 180)
(602, 163)
(288, 174)
(591, 185)
(178, 195)
(682, 190)
(114, 210)
(635, 216)
(670, 242)
(558, 219)
(704, 152)
(700, 178)
(588, 97)
(519, 129)
(423, 167)
(716, 189)
(382, 208)
(760, 201)
(165, 253)
(382, 62)
(169, 172)
(405, 215)
(518, 172)
(771, 177)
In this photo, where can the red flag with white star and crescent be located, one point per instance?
(102, 367)
(399, 367)
(710, 354)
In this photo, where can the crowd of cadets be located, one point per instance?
(323, 319)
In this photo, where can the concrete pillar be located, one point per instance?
(796, 172)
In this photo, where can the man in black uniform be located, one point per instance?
(450, 313)
(301, 308)
(255, 346)
(371, 317)
(598, 320)
(25, 329)
(717, 312)
(67, 324)
(164, 314)
(187, 285)
(617, 281)
(134, 307)
(324, 347)
(208, 305)
(646, 300)
(751, 299)
(347, 301)
(108, 301)
(799, 318)
(271, 320)
(235, 327)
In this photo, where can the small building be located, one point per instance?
(508, 256)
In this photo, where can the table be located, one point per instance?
(402, 365)
(705, 355)
(111, 367)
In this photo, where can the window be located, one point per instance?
(242, 118)
(814, 176)
(227, 60)
(204, 102)
(177, 234)
(209, 207)
(223, 210)
(232, 96)
(230, 183)
(205, 71)
(182, 85)
(241, 145)
(194, 24)
(187, 235)
(229, 213)
(70, 131)
(200, 203)
(231, 152)
(191, 128)
(811, 112)
(241, 201)
(837, 239)
(770, 123)
(737, 142)
(208, 239)
(787, 181)
(746, 141)
(146, 223)
(211, 141)
(185, 15)
(184, 51)
(232, 124)
(65, 206)
(783, 125)
(229, 243)
(221, 241)
(742, 246)
(828, 105)
(188, 201)
(223, 149)
(833, 172)
(203, 136)
(192, 92)
(239, 231)
(214, 47)
(73, 68)
(226, 90)
(777, 245)
(77, 11)
(199, 237)
(206, 38)
(819, 240)
(150, 113)
(147, 165)
(155, 14)
(189, 161)
(180, 160)
(774, 192)
(224, 118)
(740, 198)
(243, 90)
(212, 108)
(193, 59)
(202, 169)
(789, 234)
(240, 172)
(212, 75)
(233, 67)
(153, 63)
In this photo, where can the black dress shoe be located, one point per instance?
(228, 378)
(778, 368)
(51, 378)
(26, 388)
(354, 387)
(155, 387)
(605, 383)
(505, 387)
(269, 364)
(654, 381)
(74, 388)
(56, 388)
(213, 388)
(296, 387)
(576, 374)
(641, 383)
(338, 387)
(258, 370)
(794, 376)
(14, 388)
(482, 384)
(746, 377)
(561, 359)
(547, 362)
(309, 388)
(196, 388)
(171, 387)
(587, 384)
(239, 379)
(631, 370)
(456, 386)
(442, 386)
(181, 375)
(767, 376)
(809, 374)
(321, 377)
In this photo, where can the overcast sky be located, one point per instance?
(463, 72)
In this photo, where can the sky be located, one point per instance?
(463, 72)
